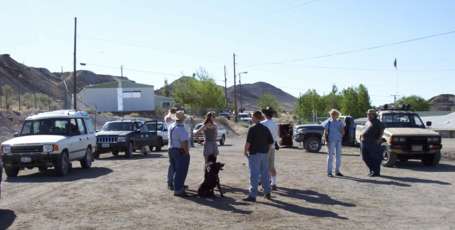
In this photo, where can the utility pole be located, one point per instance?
(240, 92)
(121, 71)
(236, 112)
(395, 96)
(74, 67)
(225, 87)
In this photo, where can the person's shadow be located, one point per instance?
(7, 218)
(311, 196)
(378, 182)
(225, 203)
(416, 180)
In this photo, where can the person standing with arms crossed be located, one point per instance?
(273, 128)
(333, 133)
(257, 145)
(370, 143)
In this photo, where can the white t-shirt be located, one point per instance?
(273, 128)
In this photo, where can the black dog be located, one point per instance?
(211, 178)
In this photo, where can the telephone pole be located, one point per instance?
(121, 70)
(236, 112)
(74, 67)
(225, 87)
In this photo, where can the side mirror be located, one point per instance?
(97, 130)
(16, 134)
(429, 123)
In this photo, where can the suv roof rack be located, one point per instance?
(401, 107)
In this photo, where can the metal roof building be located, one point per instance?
(119, 96)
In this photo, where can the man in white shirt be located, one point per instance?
(273, 128)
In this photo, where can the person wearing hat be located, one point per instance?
(370, 143)
(259, 141)
(333, 133)
(179, 155)
(273, 128)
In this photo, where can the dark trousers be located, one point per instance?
(372, 156)
(178, 169)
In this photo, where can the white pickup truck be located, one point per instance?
(405, 137)
(51, 139)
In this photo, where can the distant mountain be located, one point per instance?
(249, 94)
(40, 80)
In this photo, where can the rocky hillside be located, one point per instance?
(443, 102)
(40, 80)
(250, 93)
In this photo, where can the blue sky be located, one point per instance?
(157, 40)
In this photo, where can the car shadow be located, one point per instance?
(225, 203)
(418, 166)
(378, 182)
(303, 195)
(50, 176)
(311, 196)
(7, 218)
(133, 157)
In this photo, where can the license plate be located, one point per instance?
(105, 145)
(417, 148)
(26, 159)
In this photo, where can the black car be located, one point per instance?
(159, 134)
(123, 136)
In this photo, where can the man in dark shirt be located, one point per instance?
(258, 142)
(371, 139)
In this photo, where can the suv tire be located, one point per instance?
(42, 169)
(431, 160)
(63, 165)
(223, 140)
(115, 153)
(11, 171)
(389, 159)
(129, 150)
(86, 163)
(312, 144)
(160, 144)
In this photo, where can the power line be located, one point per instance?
(346, 52)
(296, 6)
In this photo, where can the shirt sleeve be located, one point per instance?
(183, 135)
(368, 128)
(270, 139)
(249, 138)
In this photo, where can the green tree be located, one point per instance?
(268, 100)
(332, 100)
(167, 92)
(364, 102)
(417, 103)
(350, 102)
(309, 106)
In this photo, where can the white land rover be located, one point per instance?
(51, 139)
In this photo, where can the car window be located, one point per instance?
(89, 126)
(118, 126)
(73, 128)
(144, 128)
(80, 126)
(45, 127)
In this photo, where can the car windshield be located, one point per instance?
(46, 127)
(244, 116)
(152, 126)
(118, 126)
(394, 120)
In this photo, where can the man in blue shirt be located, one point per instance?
(333, 133)
(179, 155)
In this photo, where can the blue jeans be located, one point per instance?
(178, 169)
(259, 166)
(372, 155)
(334, 150)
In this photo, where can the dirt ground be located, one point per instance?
(123, 193)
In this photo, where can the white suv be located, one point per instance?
(51, 139)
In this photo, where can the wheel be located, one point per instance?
(313, 144)
(389, 159)
(96, 155)
(42, 169)
(62, 167)
(115, 153)
(160, 144)
(431, 160)
(223, 140)
(144, 150)
(129, 150)
(86, 163)
(11, 171)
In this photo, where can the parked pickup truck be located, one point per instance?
(312, 134)
(406, 137)
(51, 139)
(159, 133)
(123, 136)
(221, 137)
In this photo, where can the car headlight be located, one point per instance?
(121, 139)
(47, 148)
(398, 139)
(433, 140)
(6, 149)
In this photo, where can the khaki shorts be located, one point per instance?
(271, 157)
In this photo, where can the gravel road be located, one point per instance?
(123, 193)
